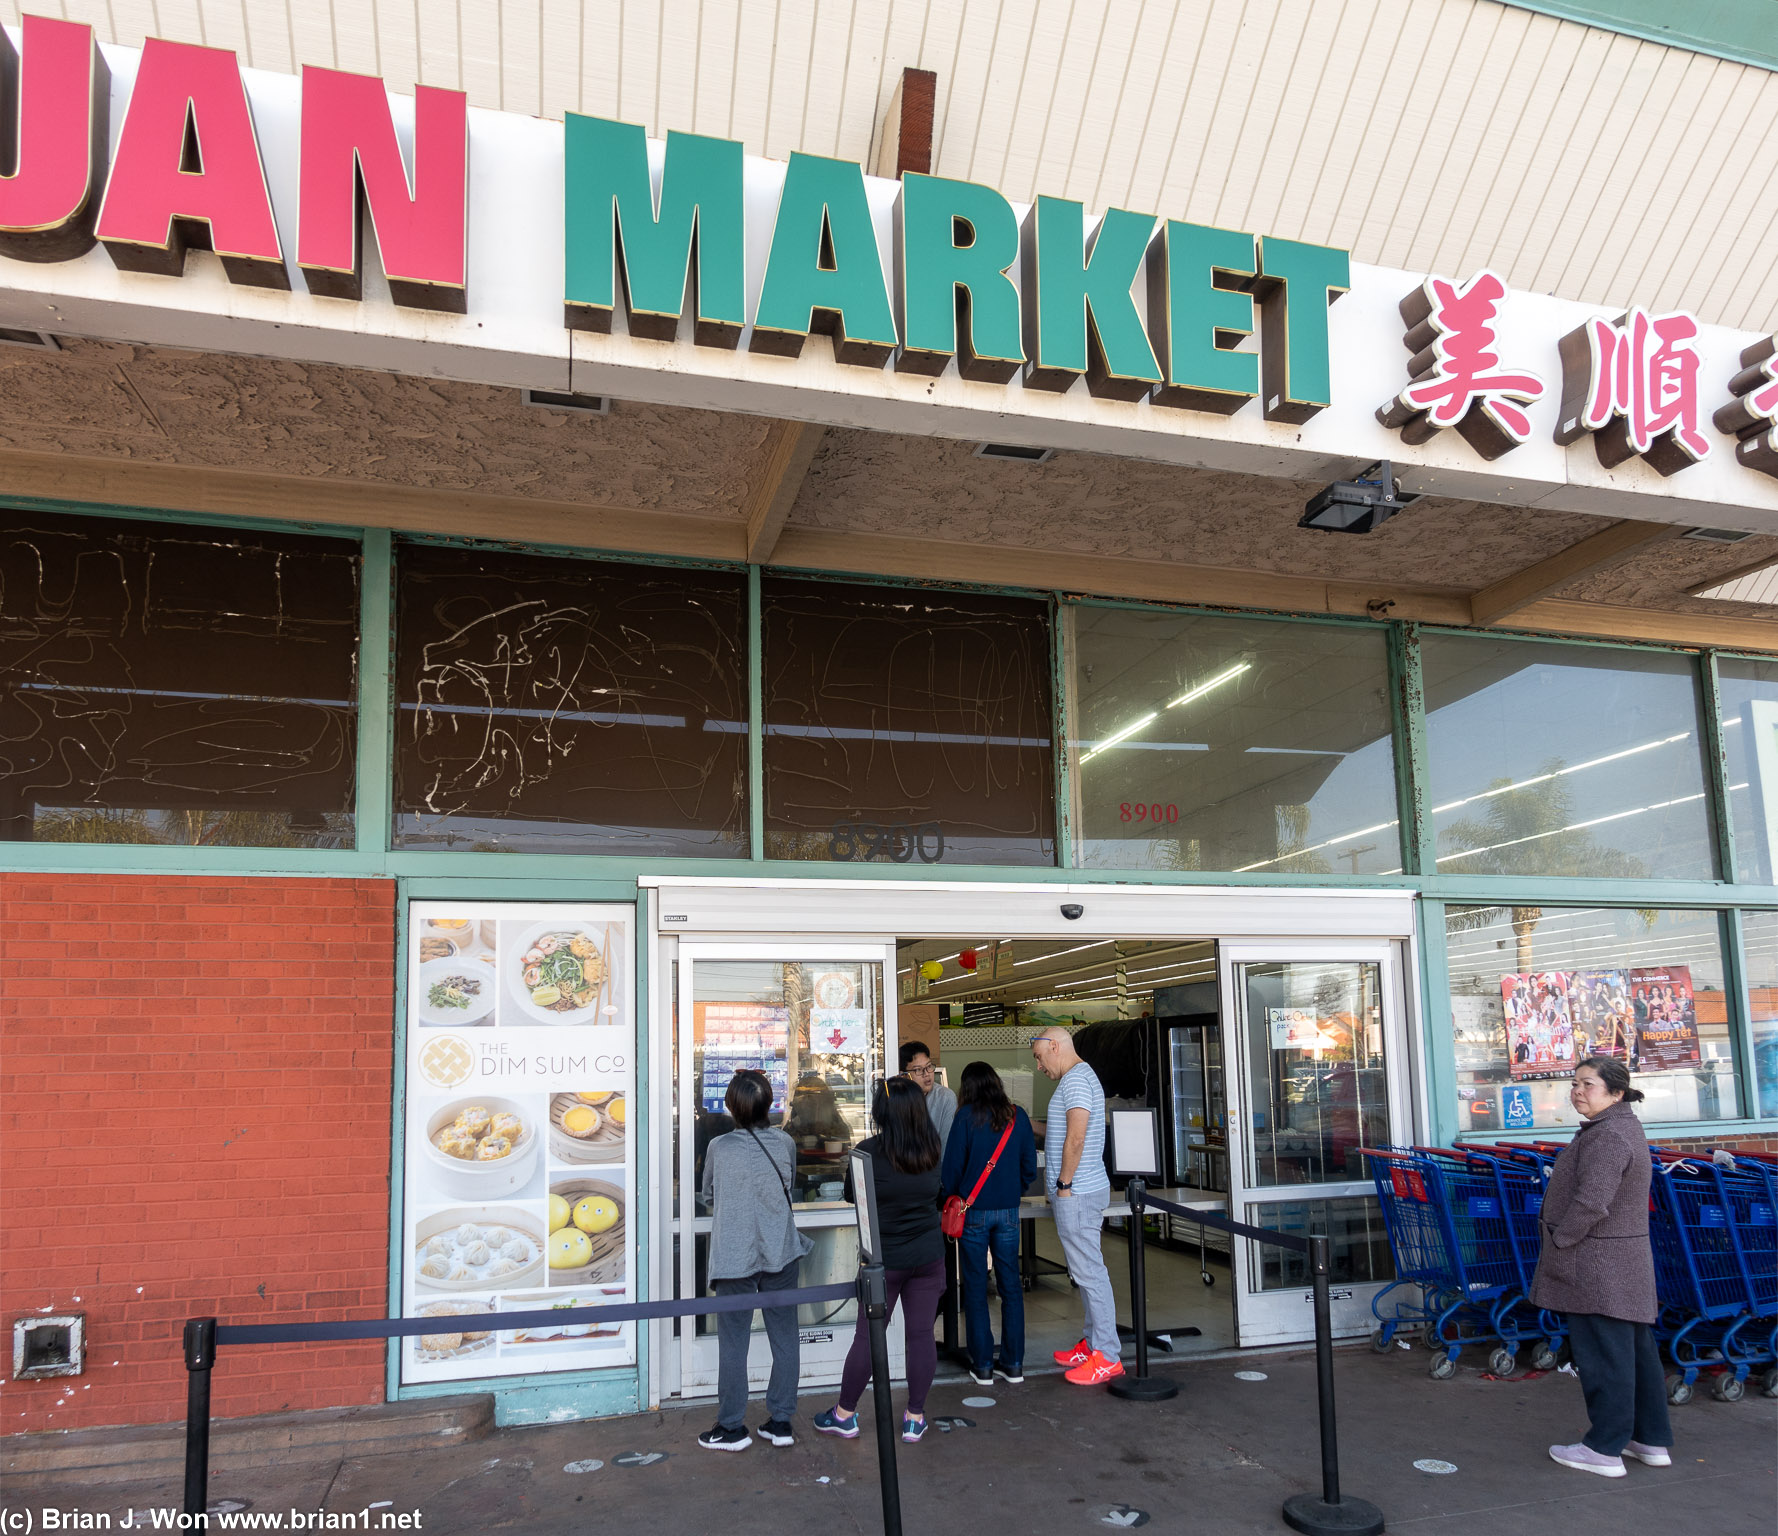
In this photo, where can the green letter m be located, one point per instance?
(612, 224)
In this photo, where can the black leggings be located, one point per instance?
(919, 1290)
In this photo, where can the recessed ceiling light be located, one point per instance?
(1016, 453)
(1716, 535)
(38, 341)
(556, 400)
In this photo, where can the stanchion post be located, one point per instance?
(200, 1358)
(1329, 1515)
(1141, 1387)
(873, 1289)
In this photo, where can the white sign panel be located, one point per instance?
(518, 1176)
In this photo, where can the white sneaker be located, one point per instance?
(1584, 1458)
(1649, 1455)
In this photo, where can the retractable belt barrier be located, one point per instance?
(1329, 1515)
(205, 1335)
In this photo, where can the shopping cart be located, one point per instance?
(1714, 1312)
(1457, 1278)
(1520, 1177)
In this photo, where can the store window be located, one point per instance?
(1231, 744)
(907, 726)
(569, 706)
(1536, 989)
(1549, 759)
(176, 684)
(1749, 691)
(1759, 947)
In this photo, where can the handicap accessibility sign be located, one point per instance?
(1515, 1106)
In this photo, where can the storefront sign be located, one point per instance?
(517, 1176)
(583, 255)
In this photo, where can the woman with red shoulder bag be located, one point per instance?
(990, 1161)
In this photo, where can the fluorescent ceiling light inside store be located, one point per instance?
(1149, 719)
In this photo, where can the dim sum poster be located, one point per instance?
(517, 1175)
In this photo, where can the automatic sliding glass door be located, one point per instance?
(818, 1021)
(1322, 1053)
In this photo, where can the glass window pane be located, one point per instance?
(1759, 939)
(815, 1028)
(1318, 1090)
(1550, 759)
(1231, 744)
(1357, 1250)
(1536, 989)
(1750, 751)
(569, 706)
(907, 726)
(183, 685)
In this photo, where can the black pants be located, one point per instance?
(1620, 1373)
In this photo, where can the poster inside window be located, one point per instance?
(518, 1176)
(1536, 990)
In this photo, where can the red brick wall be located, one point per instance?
(194, 1118)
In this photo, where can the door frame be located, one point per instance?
(696, 1355)
(1271, 1317)
(683, 909)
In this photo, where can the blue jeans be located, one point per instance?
(999, 1230)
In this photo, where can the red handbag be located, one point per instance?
(956, 1210)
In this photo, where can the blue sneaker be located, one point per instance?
(833, 1422)
(912, 1429)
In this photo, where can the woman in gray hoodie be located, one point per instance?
(754, 1246)
(1597, 1267)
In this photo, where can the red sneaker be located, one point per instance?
(1081, 1351)
(1095, 1371)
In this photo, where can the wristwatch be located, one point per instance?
(1067, 1184)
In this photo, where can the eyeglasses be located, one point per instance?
(925, 1071)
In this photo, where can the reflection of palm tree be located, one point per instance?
(1529, 831)
(1293, 835)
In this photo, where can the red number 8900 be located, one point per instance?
(1128, 811)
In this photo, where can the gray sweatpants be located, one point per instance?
(734, 1331)
(1078, 1225)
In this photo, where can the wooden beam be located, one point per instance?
(907, 125)
(176, 488)
(882, 554)
(1594, 553)
(790, 449)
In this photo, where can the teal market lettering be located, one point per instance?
(971, 280)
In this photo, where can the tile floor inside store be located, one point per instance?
(1177, 1297)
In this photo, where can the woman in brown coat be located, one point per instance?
(1596, 1266)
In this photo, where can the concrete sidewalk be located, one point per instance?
(1051, 1458)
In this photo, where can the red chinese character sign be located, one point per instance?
(1457, 379)
(1633, 384)
(1752, 415)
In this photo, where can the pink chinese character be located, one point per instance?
(1752, 415)
(1466, 370)
(1643, 369)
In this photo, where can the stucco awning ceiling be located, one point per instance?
(127, 425)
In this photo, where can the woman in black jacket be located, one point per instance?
(984, 1114)
(1597, 1268)
(904, 1158)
